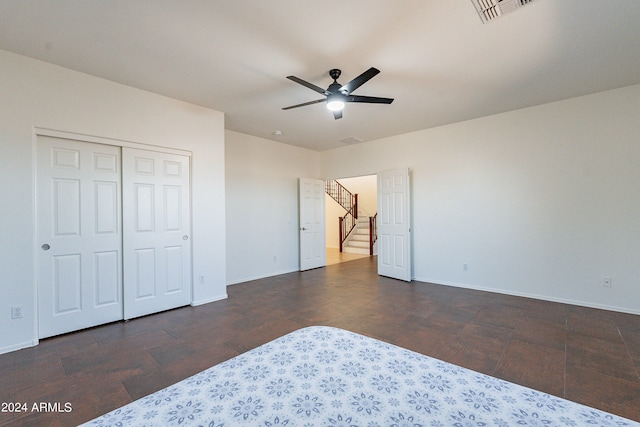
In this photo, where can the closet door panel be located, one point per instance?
(78, 235)
(156, 217)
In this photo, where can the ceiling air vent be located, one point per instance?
(351, 140)
(490, 10)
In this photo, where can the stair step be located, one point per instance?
(352, 250)
(358, 243)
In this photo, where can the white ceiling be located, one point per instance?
(437, 59)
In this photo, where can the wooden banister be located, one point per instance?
(344, 197)
(349, 202)
(373, 231)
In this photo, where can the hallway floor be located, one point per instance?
(334, 256)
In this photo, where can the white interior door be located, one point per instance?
(156, 218)
(312, 224)
(79, 234)
(394, 242)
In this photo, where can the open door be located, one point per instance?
(312, 224)
(394, 240)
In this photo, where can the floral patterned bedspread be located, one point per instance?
(324, 376)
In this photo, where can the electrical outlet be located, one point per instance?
(201, 280)
(16, 312)
(465, 267)
(606, 282)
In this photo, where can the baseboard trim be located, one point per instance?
(534, 296)
(208, 300)
(248, 279)
(19, 346)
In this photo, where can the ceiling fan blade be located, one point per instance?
(337, 114)
(360, 80)
(304, 104)
(309, 85)
(368, 99)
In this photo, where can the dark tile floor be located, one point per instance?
(585, 355)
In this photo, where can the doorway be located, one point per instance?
(366, 189)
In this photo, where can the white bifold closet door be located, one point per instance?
(157, 251)
(79, 235)
(112, 233)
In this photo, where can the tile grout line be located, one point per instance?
(626, 347)
(504, 350)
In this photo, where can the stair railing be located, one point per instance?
(349, 202)
(344, 197)
(373, 231)
(346, 224)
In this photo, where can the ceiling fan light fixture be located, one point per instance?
(335, 102)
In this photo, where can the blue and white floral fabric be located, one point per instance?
(323, 376)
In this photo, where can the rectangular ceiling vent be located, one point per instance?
(351, 140)
(490, 10)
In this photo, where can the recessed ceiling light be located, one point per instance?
(277, 133)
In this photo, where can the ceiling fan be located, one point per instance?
(337, 95)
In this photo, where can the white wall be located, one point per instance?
(262, 205)
(37, 94)
(540, 202)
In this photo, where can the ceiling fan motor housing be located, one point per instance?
(335, 88)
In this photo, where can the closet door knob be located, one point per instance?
(45, 247)
(185, 237)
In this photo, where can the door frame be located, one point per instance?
(408, 210)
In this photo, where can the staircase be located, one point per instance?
(358, 240)
(349, 202)
(355, 233)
